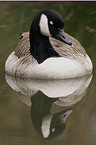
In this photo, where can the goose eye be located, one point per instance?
(51, 23)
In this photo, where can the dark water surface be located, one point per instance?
(32, 112)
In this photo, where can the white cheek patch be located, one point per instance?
(44, 25)
(46, 122)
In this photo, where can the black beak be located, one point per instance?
(62, 37)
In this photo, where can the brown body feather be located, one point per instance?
(64, 50)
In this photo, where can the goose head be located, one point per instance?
(47, 23)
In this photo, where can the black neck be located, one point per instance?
(40, 47)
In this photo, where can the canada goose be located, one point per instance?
(46, 52)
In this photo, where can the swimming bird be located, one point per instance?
(47, 52)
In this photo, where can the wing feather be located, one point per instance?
(75, 51)
(65, 50)
(22, 50)
(23, 47)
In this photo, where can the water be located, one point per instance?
(25, 119)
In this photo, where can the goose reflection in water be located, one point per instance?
(49, 126)
(41, 95)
